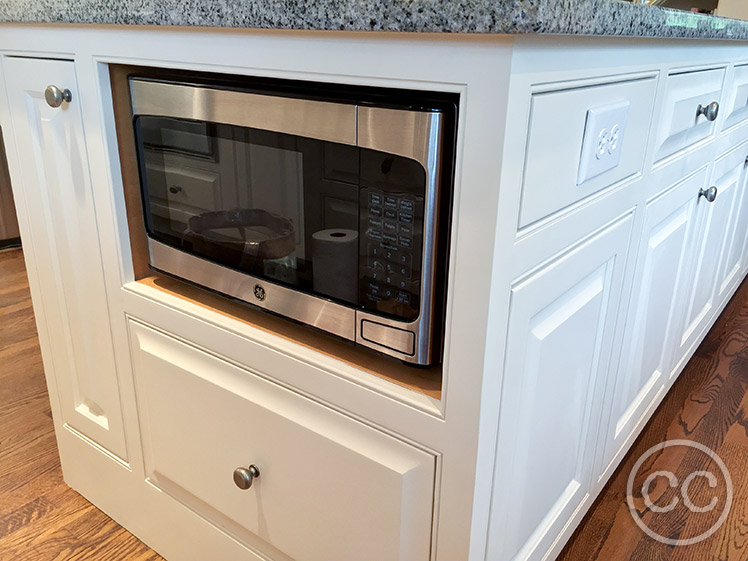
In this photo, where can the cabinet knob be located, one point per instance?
(55, 96)
(709, 111)
(175, 189)
(243, 477)
(709, 194)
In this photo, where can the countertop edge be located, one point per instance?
(592, 18)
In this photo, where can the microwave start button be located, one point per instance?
(398, 340)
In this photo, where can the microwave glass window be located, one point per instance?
(335, 220)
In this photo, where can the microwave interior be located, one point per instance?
(263, 196)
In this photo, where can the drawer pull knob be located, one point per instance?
(709, 194)
(175, 189)
(55, 96)
(243, 477)
(709, 111)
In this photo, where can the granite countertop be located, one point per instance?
(567, 17)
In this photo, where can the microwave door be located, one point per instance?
(322, 212)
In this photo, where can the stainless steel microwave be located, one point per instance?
(325, 204)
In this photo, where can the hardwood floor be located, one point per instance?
(41, 518)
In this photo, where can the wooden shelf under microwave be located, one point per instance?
(426, 381)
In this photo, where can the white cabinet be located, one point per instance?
(730, 174)
(556, 135)
(52, 178)
(569, 302)
(686, 119)
(736, 99)
(706, 242)
(560, 338)
(646, 359)
(329, 488)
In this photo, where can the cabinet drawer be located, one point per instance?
(330, 488)
(554, 145)
(682, 124)
(736, 100)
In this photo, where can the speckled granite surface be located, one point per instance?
(570, 17)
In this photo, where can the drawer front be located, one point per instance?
(330, 488)
(558, 120)
(736, 101)
(681, 124)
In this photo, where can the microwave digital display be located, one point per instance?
(330, 212)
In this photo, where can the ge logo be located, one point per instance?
(700, 492)
(259, 292)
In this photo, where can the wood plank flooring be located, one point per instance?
(41, 518)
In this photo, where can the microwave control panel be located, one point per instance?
(390, 249)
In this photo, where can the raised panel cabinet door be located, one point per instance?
(561, 324)
(54, 176)
(730, 172)
(706, 243)
(328, 487)
(646, 359)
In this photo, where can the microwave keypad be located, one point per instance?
(391, 260)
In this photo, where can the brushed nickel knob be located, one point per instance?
(55, 96)
(709, 111)
(709, 194)
(243, 477)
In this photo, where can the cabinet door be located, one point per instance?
(646, 359)
(54, 178)
(705, 246)
(730, 172)
(560, 336)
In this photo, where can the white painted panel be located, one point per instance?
(731, 172)
(559, 340)
(680, 126)
(736, 108)
(54, 172)
(330, 488)
(647, 353)
(556, 135)
(706, 245)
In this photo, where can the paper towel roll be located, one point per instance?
(335, 263)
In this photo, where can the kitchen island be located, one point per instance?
(577, 290)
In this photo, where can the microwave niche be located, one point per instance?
(329, 207)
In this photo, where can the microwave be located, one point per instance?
(326, 204)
